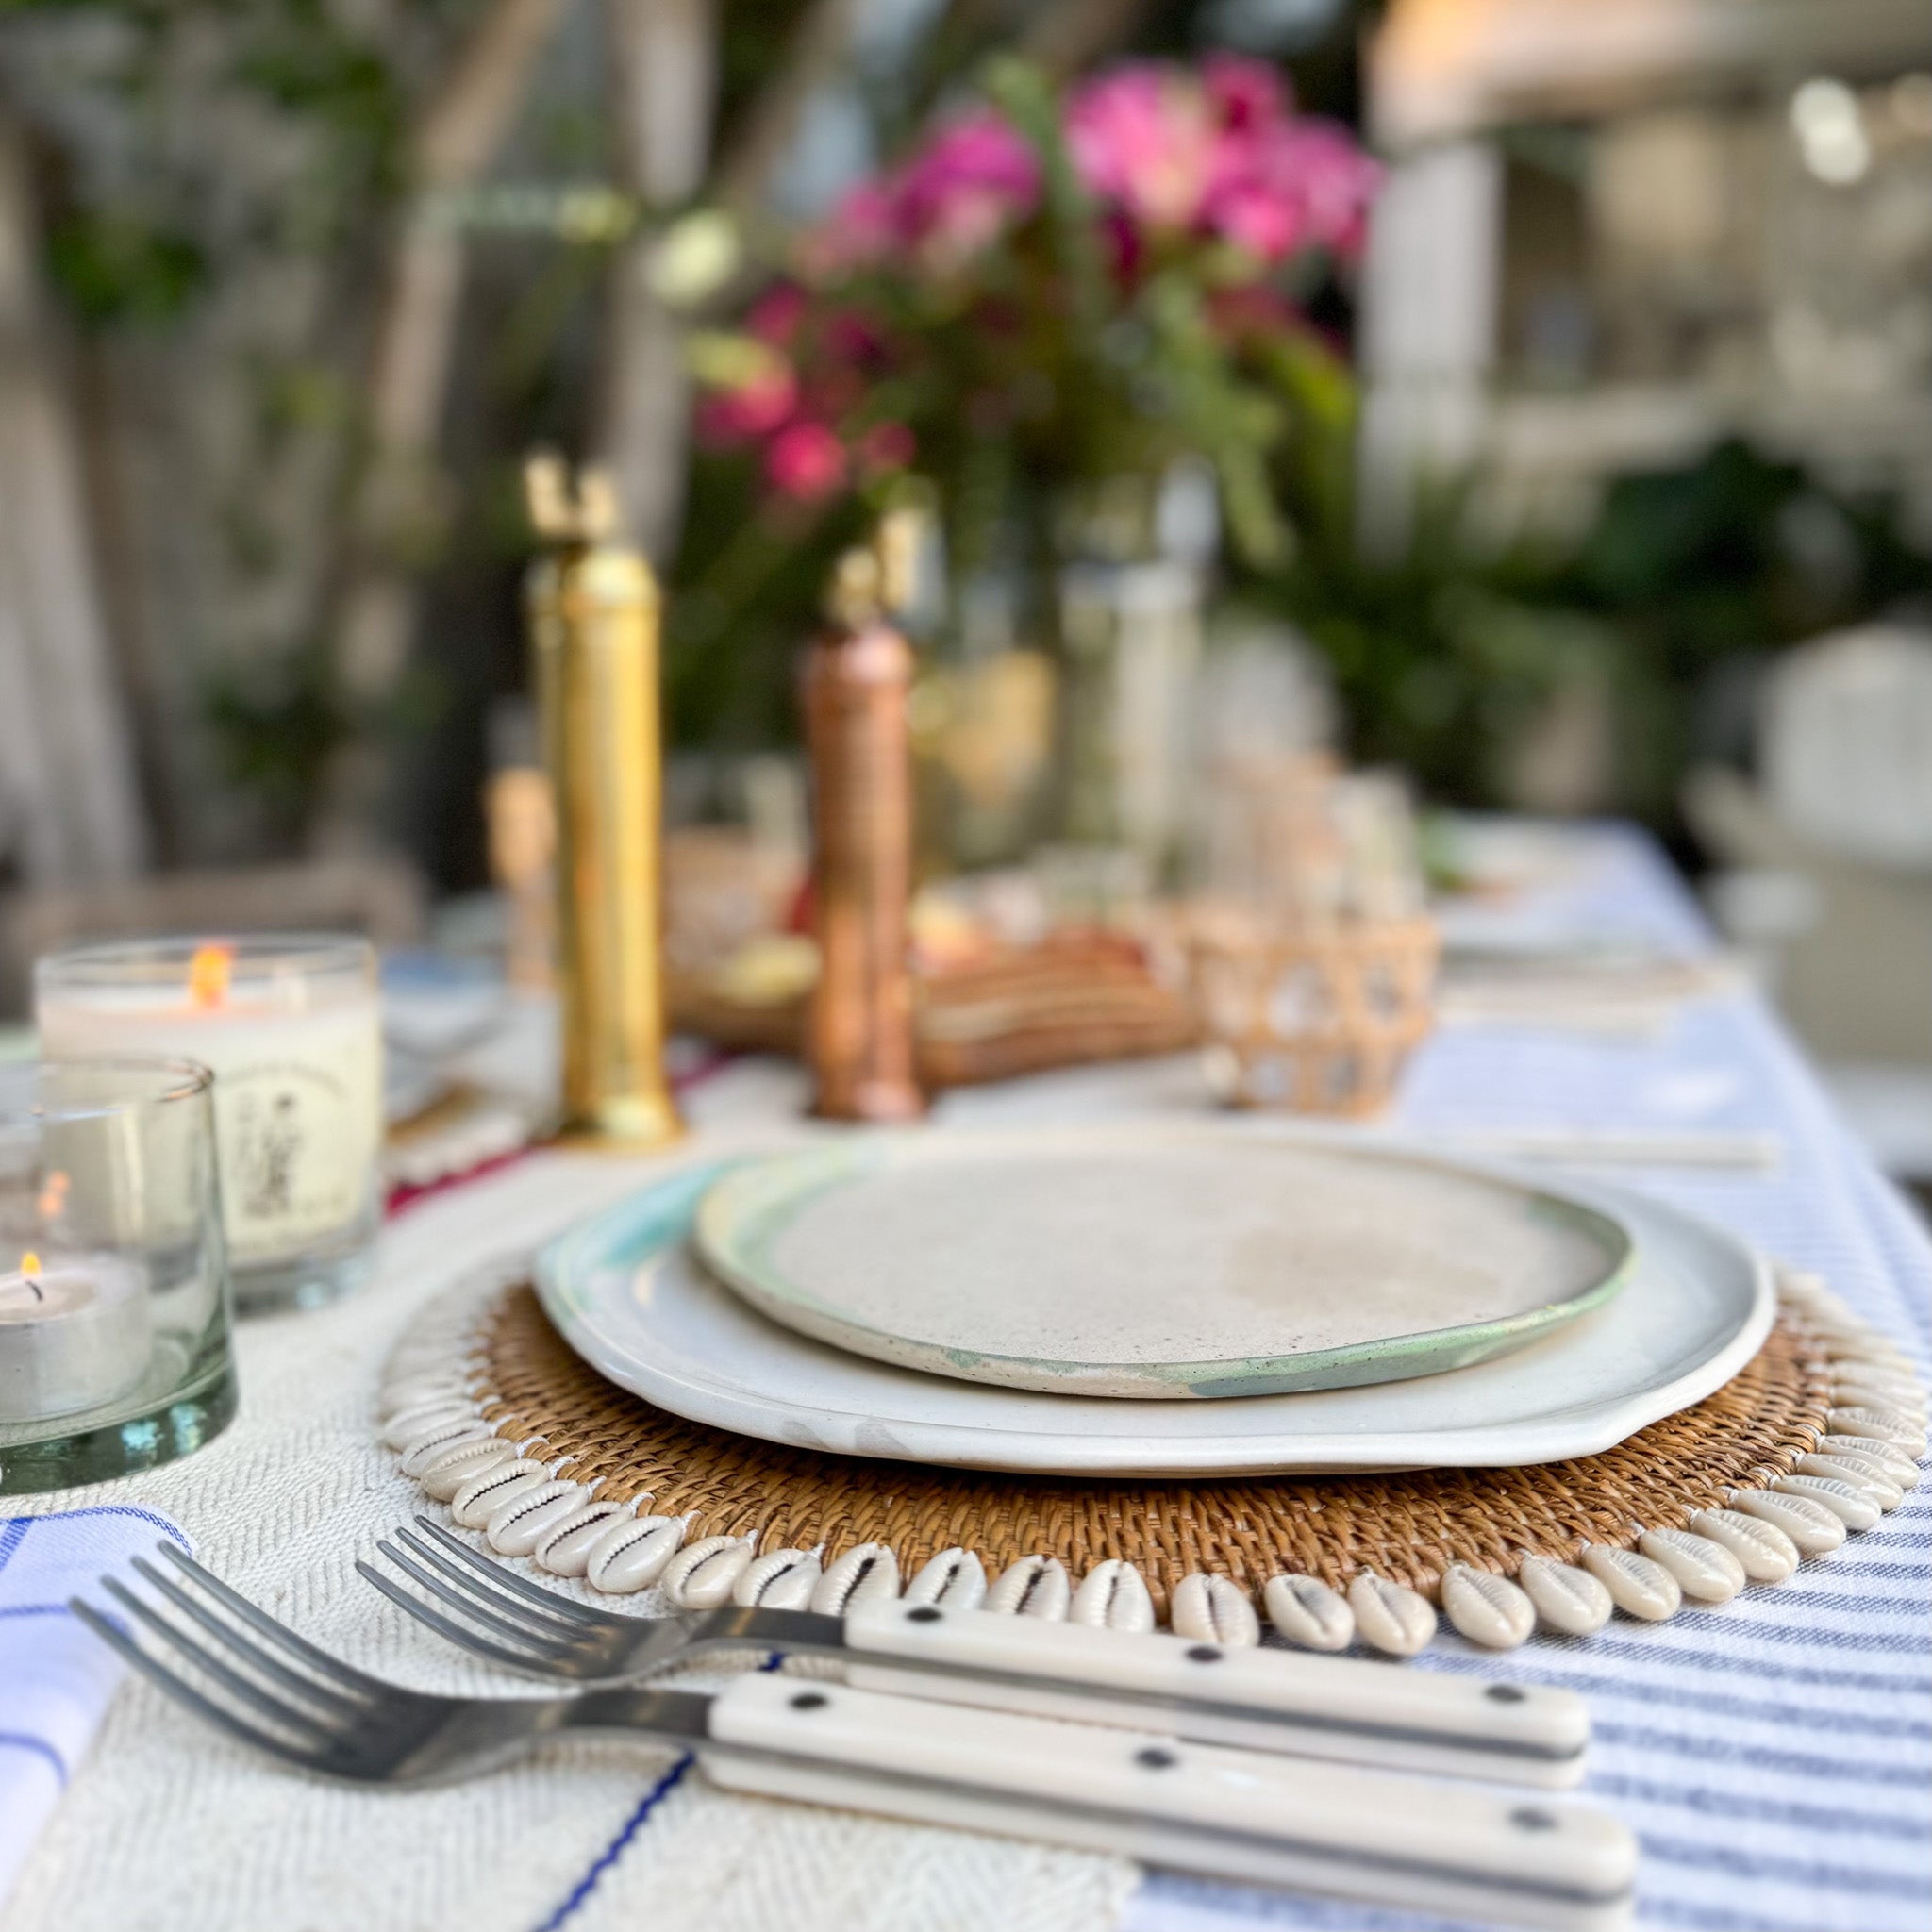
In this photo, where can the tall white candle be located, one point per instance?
(297, 1060)
(74, 1333)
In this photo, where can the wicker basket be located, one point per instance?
(1316, 1020)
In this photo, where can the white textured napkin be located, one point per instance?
(56, 1677)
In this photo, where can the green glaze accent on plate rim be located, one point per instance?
(744, 1212)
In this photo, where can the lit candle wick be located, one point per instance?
(30, 1271)
(208, 973)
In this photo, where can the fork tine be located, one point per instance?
(464, 1640)
(227, 1633)
(480, 1589)
(517, 1585)
(230, 1680)
(259, 1620)
(538, 1641)
(183, 1693)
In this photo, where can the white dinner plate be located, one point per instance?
(627, 1294)
(1155, 1261)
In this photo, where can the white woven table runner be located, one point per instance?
(1774, 1753)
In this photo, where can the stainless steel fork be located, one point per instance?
(1343, 1709)
(1364, 1835)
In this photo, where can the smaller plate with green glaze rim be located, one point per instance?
(1157, 1261)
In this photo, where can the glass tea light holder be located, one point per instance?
(114, 1298)
(291, 1028)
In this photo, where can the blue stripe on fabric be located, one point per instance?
(33, 1609)
(11, 1537)
(1906, 1829)
(36, 1747)
(1708, 1750)
(1752, 1710)
(1717, 1918)
(1735, 1862)
(640, 1816)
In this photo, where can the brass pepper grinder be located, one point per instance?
(856, 677)
(592, 606)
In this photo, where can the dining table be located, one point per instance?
(1773, 1755)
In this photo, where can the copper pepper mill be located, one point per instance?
(856, 677)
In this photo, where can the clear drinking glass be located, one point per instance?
(114, 1298)
(290, 1026)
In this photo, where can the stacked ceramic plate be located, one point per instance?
(1155, 1300)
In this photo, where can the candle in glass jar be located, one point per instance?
(74, 1334)
(291, 1030)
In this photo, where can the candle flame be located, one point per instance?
(30, 1264)
(207, 976)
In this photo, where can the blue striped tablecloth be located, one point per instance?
(1774, 1756)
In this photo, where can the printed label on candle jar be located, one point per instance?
(298, 1145)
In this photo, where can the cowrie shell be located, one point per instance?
(1705, 1570)
(564, 1549)
(1851, 1506)
(1308, 1612)
(423, 1395)
(1809, 1524)
(1868, 1477)
(1566, 1598)
(1487, 1608)
(1886, 1424)
(1768, 1554)
(1888, 1456)
(1389, 1616)
(702, 1574)
(524, 1520)
(426, 1445)
(1637, 1585)
(867, 1574)
(482, 1496)
(954, 1580)
(631, 1555)
(1213, 1609)
(404, 1427)
(783, 1580)
(1902, 1382)
(1113, 1596)
(443, 1477)
(1033, 1587)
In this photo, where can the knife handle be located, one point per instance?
(1345, 1709)
(1461, 1850)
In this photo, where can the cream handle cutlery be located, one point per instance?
(1463, 1851)
(1466, 1850)
(1269, 1700)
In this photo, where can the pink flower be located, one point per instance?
(1246, 93)
(753, 410)
(805, 462)
(861, 230)
(885, 447)
(960, 192)
(1142, 137)
(1295, 184)
(775, 315)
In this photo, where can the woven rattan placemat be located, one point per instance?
(1406, 1528)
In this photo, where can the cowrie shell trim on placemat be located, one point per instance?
(438, 1412)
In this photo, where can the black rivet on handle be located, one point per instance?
(810, 1700)
(1532, 1818)
(925, 1614)
(1505, 1693)
(1203, 1654)
(1155, 1758)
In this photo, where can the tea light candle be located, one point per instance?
(74, 1334)
(291, 1030)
